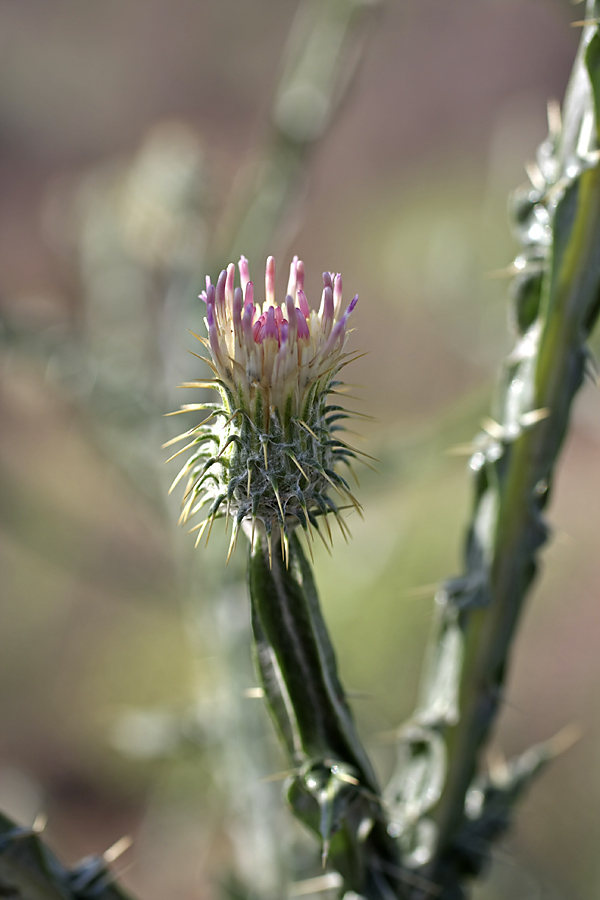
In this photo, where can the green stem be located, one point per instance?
(558, 372)
(514, 464)
(30, 871)
(333, 789)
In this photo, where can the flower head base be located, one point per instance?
(267, 453)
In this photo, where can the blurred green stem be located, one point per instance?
(320, 57)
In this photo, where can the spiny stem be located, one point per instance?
(513, 465)
(334, 790)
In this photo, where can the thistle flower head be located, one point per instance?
(267, 453)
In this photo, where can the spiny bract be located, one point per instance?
(267, 453)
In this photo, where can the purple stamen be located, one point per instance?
(338, 331)
(213, 337)
(303, 329)
(258, 329)
(303, 304)
(244, 272)
(337, 292)
(229, 282)
(300, 275)
(271, 329)
(270, 280)
(353, 303)
(293, 279)
(238, 303)
(247, 317)
(220, 291)
(292, 321)
(327, 308)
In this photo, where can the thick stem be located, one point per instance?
(333, 789)
(558, 372)
(514, 464)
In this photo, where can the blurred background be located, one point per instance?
(142, 146)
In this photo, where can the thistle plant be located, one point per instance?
(265, 458)
(266, 455)
(269, 459)
(445, 807)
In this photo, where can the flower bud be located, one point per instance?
(266, 455)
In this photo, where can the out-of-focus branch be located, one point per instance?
(321, 56)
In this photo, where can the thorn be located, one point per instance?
(117, 849)
(232, 543)
(566, 738)
(554, 113)
(185, 512)
(330, 881)
(347, 779)
(282, 545)
(183, 449)
(269, 547)
(310, 539)
(325, 544)
(535, 176)
(460, 450)
(328, 527)
(202, 529)
(583, 23)
(278, 498)
(506, 272)
(276, 776)
(497, 764)
(211, 519)
(342, 526)
(534, 416)
(424, 590)
(39, 823)
(199, 384)
(179, 476)
(180, 437)
(255, 693)
(493, 428)
(308, 428)
(294, 460)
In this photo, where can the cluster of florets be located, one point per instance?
(266, 455)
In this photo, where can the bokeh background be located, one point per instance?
(141, 144)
